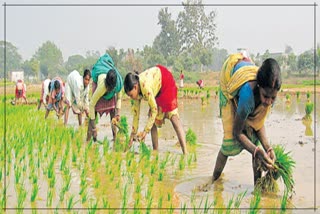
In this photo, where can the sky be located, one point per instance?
(77, 29)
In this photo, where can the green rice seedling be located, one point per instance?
(239, 199)
(182, 162)
(254, 202)
(22, 194)
(52, 181)
(284, 200)
(308, 109)
(84, 196)
(230, 202)
(49, 197)
(160, 201)
(149, 204)
(183, 208)
(34, 192)
(70, 203)
(284, 165)
(105, 203)
(136, 205)
(169, 196)
(203, 101)
(298, 94)
(190, 159)
(122, 138)
(208, 205)
(74, 156)
(191, 137)
(164, 162)
(145, 151)
(124, 198)
(160, 175)
(61, 194)
(93, 207)
(288, 96)
(308, 95)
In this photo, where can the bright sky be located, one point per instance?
(77, 29)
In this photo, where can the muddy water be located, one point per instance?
(284, 126)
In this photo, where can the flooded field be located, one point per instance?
(50, 166)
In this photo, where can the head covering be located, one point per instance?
(103, 66)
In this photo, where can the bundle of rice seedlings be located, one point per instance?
(122, 137)
(284, 165)
(191, 137)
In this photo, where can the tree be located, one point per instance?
(306, 62)
(218, 56)
(167, 42)
(75, 62)
(32, 68)
(50, 58)
(197, 32)
(13, 58)
(292, 63)
(195, 28)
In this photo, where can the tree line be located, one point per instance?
(187, 43)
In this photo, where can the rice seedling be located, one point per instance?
(22, 195)
(160, 175)
(284, 165)
(191, 137)
(284, 200)
(308, 95)
(308, 109)
(34, 192)
(93, 207)
(84, 196)
(125, 197)
(298, 94)
(160, 201)
(182, 163)
(49, 197)
(105, 203)
(254, 202)
(70, 203)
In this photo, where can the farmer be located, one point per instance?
(56, 97)
(77, 94)
(181, 79)
(157, 86)
(106, 94)
(200, 83)
(44, 93)
(246, 96)
(20, 91)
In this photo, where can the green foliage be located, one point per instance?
(191, 137)
(51, 60)
(13, 58)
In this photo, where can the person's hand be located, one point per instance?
(92, 131)
(271, 154)
(264, 158)
(116, 119)
(141, 136)
(132, 136)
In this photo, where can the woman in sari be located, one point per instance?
(156, 85)
(247, 93)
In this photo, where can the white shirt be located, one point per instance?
(75, 91)
(45, 90)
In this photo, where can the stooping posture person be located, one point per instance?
(156, 85)
(44, 93)
(246, 96)
(77, 94)
(106, 94)
(20, 92)
(56, 97)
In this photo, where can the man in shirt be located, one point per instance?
(77, 92)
